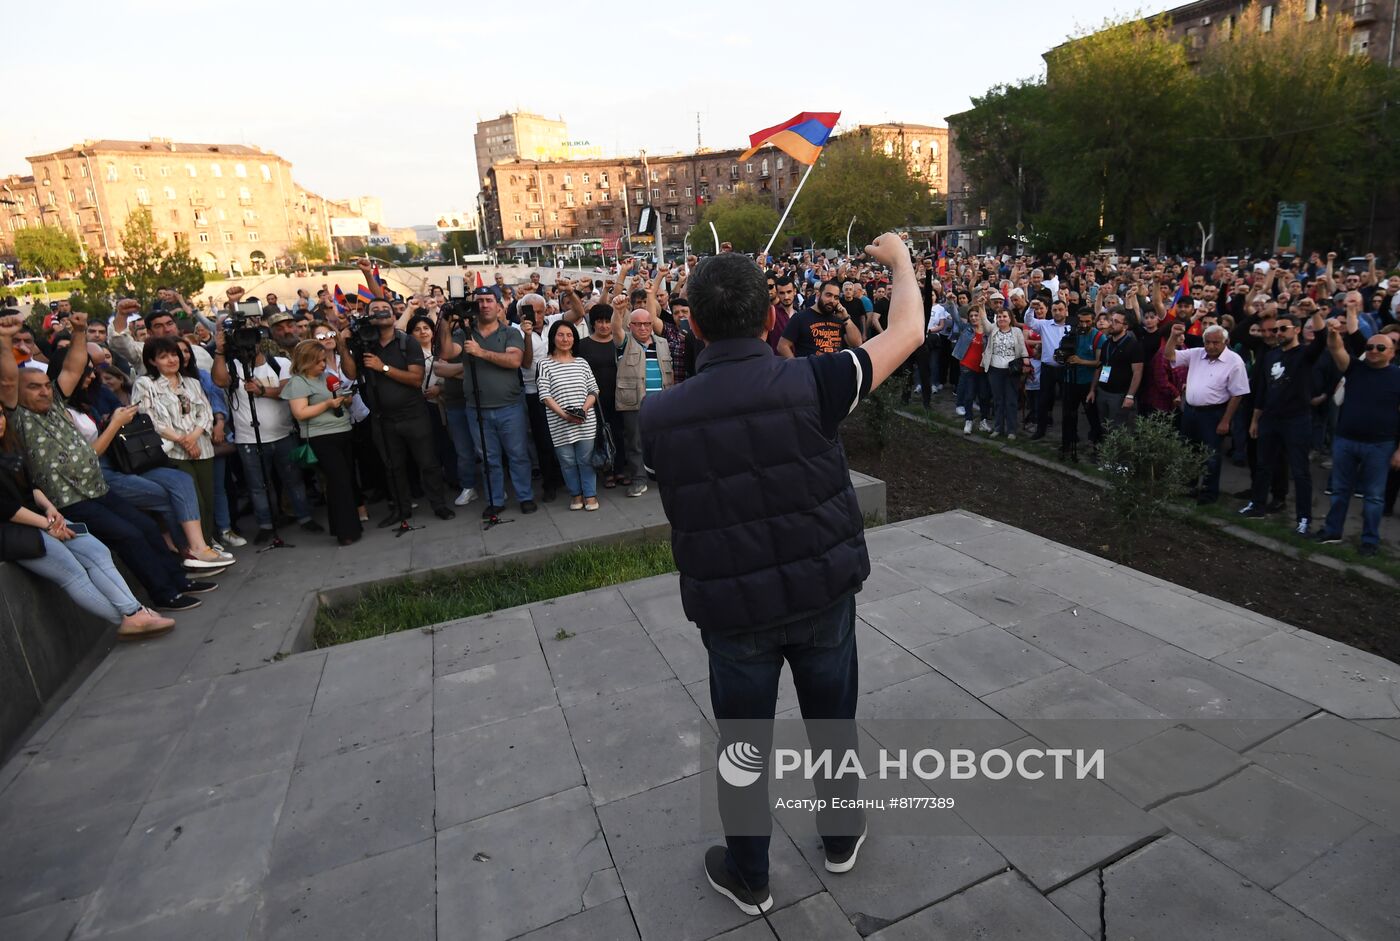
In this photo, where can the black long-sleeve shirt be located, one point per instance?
(1282, 382)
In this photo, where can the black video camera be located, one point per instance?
(364, 333)
(241, 336)
(1069, 345)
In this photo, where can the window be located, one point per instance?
(568, 199)
(216, 170)
(240, 170)
(585, 179)
(734, 171)
(63, 170)
(138, 171)
(219, 192)
(245, 195)
(603, 178)
(654, 177)
(641, 197)
(170, 192)
(200, 218)
(1360, 41)
(220, 215)
(671, 192)
(164, 170)
(534, 217)
(1310, 10)
(587, 198)
(607, 196)
(189, 169)
(72, 196)
(82, 169)
(656, 192)
(889, 148)
(228, 236)
(553, 198)
(143, 196)
(266, 172)
(933, 149)
(174, 215)
(763, 167)
(1266, 18)
(111, 171)
(204, 237)
(88, 194)
(914, 147)
(779, 164)
(568, 179)
(252, 236)
(748, 168)
(249, 215)
(554, 217)
(517, 217)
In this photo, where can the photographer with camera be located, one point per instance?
(493, 394)
(1080, 352)
(391, 364)
(1052, 333)
(261, 388)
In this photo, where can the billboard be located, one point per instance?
(1288, 227)
(349, 227)
(456, 222)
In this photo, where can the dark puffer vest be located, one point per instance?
(765, 526)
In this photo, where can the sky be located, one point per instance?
(382, 99)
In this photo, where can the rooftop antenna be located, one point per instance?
(697, 131)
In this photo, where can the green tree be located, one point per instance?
(744, 219)
(995, 143)
(463, 241)
(148, 263)
(852, 179)
(95, 296)
(47, 249)
(1290, 114)
(310, 250)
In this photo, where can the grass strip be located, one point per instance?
(406, 605)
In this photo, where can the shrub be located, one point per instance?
(880, 415)
(1147, 463)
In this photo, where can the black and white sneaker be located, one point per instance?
(750, 903)
(179, 603)
(1251, 511)
(845, 862)
(1323, 538)
(200, 588)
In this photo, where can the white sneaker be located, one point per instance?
(231, 538)
(1010, 436)
(959, 411)
(465, 497)
(967, 427)
(994, 434)
(984, 425)
(937, 389)
(1303, 525)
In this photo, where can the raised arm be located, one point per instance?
(905, 332)
(367, 269)
(9, 370)
(1336, 345)
(77, 359)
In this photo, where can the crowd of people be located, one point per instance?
(1270, 362)
(249, 416)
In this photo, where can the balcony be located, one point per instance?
(1363, 13)
(764, 174)
(603, 184)
(567, 185)
(199, 202)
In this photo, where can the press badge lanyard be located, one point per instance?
(1109, 348)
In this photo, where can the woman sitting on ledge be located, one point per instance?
(78, 563)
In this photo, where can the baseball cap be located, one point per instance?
(483, 292)
(279, 317)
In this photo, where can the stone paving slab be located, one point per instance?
(486, 780)
(1003, 907)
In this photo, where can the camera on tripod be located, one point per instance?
(241, 335)
(460, 306)
(1069, 343)
(364, 333)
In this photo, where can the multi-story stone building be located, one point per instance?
(236, 207)
(923, 148)
(518, 135)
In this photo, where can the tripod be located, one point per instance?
(246, 364)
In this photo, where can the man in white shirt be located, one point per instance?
(1051, 331)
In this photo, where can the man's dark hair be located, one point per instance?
(680, 302)
(830, 282)
(784, 281)
(728, 297)
(637, 298)
(598, 313)
(152, 317)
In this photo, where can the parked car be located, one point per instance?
(21, 282)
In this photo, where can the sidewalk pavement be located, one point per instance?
(484, 780)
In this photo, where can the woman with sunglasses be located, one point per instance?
(182, 416)
(326, 427)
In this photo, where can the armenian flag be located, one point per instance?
(339, 298)
(801, 138)
(1183, 289)
(365, 293)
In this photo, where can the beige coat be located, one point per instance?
(632, 373)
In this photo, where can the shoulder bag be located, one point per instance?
(137, 447)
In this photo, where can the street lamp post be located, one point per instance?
(848, 236)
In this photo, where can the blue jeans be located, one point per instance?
(744, 671)
(974, 385)
(1359, 465)
(165, 491)
(221, 514)
(463, 443)
(1199, 424)
(278, 458)
(83, 568)
(579, 476)
(1287, 439)
(507, 428)
(136, 541)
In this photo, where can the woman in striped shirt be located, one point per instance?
(569, 391)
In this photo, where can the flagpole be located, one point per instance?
(788, 208)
